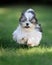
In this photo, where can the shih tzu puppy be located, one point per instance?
(29, 31)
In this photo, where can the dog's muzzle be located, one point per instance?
(27, 25)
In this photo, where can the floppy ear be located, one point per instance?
(36, 20)
(22, 16)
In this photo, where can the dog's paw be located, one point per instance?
(22, 41)
(30, 45)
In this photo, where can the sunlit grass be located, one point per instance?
(24, 51)
(38, 56)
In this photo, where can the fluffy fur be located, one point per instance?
(28, 32)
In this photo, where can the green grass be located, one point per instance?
(10, 52)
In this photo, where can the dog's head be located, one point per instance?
(28, 19)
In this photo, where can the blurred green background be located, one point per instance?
(10, 53)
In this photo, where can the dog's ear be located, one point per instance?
(36, 20)
(22, 18)
(22, 14)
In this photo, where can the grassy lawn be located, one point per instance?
(10, 53)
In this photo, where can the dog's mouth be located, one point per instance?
(27, 27)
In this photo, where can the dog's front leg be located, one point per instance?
(22, 40)
(33, 42)
(30, 42)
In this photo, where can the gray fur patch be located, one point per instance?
(38, 27)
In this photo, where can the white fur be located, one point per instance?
(29, 15)
(31, 35)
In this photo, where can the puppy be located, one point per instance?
(28, 32)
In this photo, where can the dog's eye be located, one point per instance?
(33, 21)
(23, 19)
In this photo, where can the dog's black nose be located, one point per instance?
(27, 24)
